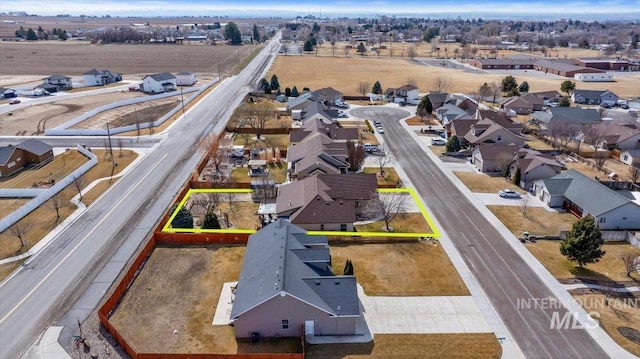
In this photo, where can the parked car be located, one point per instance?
(342, 104)
(380, 130)
(370, 148)
(438, 141)
(342, 114)
(14, 102)
(624, 106)
(377, 123)
(605, 105)
(508, 193)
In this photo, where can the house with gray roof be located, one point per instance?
(448, 113)
(326, 202)
(316, 109)
(487, 131)
(493, 158)
(533, 166)
(317, 154)
(61, 82)
(159, 83)
(100, 77)
(523, 104)
(612, 136)
(584, 196)
(328, 95)
(287, 288)
(320, 125)
(565, 116)
(594, 97)
(31, 151)
(7, 93)
(438, 99)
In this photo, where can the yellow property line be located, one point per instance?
(434, 234)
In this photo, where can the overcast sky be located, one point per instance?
(266, 8)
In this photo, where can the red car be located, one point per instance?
(14, 102)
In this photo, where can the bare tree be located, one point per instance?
(593, 134)
(524, 203)
(119, 142)
(254, 115)
(388, 206)
(411, 52)
(377, 51)
(138, 129)
(442, 83)
(285, 49)
(503, 160)
(363, 87)
(20, 230)
(412, 81)
(631, 263)
(334, 47)
(562, 132)
(57, 202)
(356, 155)
(346, 51)
(634, 173)
(383, 158)
(78, 183)
(600, 158)
(391, 51)
(495, 89)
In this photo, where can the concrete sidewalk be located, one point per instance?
(613, 349)
(47, 346)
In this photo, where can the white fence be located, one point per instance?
(63, 130)
(14, 217)
(21, 192)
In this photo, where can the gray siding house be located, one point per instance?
(287, 288)
(584, 196)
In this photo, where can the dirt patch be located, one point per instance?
(535, 220)
(630, 333)
(483, 183)
(425, 269)
(178, 290)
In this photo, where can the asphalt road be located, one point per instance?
(40, 293)
(501, 272)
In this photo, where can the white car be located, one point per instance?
(380, 129)
(438, 141)
(508, 193)
(342, 114)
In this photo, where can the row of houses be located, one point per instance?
(27, 152)
(287, 286)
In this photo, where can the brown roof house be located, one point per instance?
(330, 202)
(287, 289)
(501, 119)
(487, 131)
(523, 104)
(612, 136)
(31, 151)
(329, 128)
(328, 95)
(533, 166)
(317, 154)
(493, 158)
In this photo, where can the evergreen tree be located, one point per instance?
(567, 87)
(256, 33)
(62, 35)
(453, 145)
(524, 87)
(564, 102)
(583, 243)
(274, 82)
(425, 107)
(183, 219)
(348, 268)
(287, 91)
(362, 50)
(264, 85)
(294, 92)
(377, 88)
(308, 46)
(509, 84)
(516, 177)
(232, 33)
(210, 221)
(31, 35)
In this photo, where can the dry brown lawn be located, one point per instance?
(243, 215)
(610, 266)
(483, 183)
(390, 175)
(404, 346)
(280, 141)
(57, 169)
(537, 221)
(8, 205)
(43, 218)
(424, 267)
(8, 268)
(178, 289)
(404, 223)
(347, 72)
(621, 312)
(585, 169)
(276, 172)
(438, 150)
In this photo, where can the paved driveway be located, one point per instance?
(382, 113)
(420, 315)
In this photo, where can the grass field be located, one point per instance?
(425, 269)
(483, 183)
(610, 266)
(276, 172)
(537, 221)
(43, 219)
(621, 312)
(348, 72)
(404, 223)
(425, 346)
(390, 175)
(8, 205)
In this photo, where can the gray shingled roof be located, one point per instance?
(93, 72)
(562, 65)
(277, 262)
(574, 115)
(590, 94)
(58, 77)
(163, 76)
(34, 146)
(589, 194)
(5, 154)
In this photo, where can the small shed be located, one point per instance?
(186, 78)
(258, 168)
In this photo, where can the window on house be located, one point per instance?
(285, 324)
(626, 157)
(499, 137)
(343, 227)
(602, 220)
(322, 227)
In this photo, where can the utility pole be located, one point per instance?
(182, 100)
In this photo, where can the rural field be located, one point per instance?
(344, 74)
